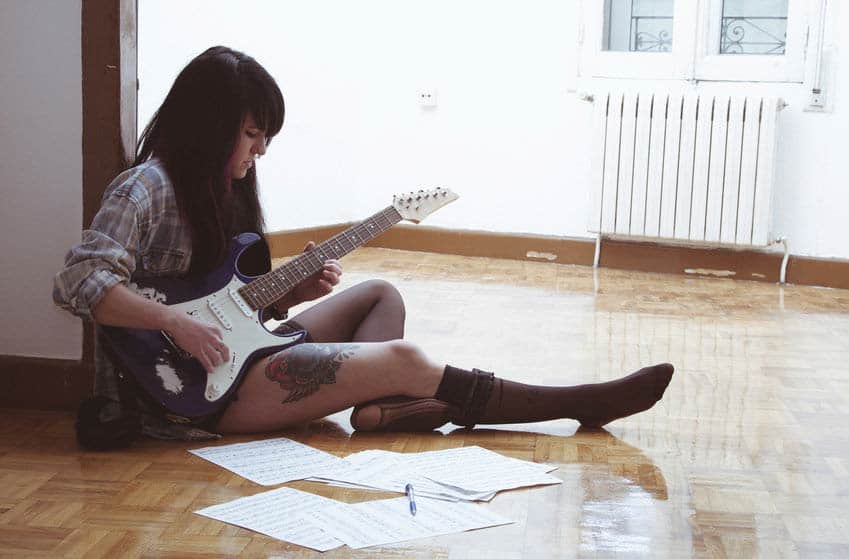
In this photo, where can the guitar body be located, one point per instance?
(176, 380)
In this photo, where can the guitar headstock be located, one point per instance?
(415, 206)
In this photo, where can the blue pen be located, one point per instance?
(412, 497)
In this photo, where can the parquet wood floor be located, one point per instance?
(746, 456)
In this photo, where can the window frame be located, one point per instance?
(643, 65)
(693, 55)
(789, 67)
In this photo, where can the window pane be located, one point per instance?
(638, 25)
(753, 27)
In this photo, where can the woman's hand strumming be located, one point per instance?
(124, 308)
(203, 341)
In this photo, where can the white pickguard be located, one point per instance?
(242, 330)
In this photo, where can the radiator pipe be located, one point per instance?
(597, 251)
(783, 275)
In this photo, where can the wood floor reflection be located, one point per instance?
(746, 456)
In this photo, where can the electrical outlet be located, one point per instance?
(817, 99)
(427, 97)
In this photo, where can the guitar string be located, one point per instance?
(267, 288)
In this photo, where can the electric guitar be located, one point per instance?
(234, 301)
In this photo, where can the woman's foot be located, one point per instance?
(608, 401)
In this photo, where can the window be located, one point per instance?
(638, 25)
(730, 40)
(749, 27)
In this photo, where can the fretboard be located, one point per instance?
(270, 287)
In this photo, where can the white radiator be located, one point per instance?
(684, 167)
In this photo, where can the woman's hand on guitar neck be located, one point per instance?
(319, 284)
(202, 340)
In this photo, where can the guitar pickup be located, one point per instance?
(240, 302)
(218, 312)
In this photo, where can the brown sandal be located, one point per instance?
(400, 413)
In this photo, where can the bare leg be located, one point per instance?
(372, 311)
(322, 378)
(310, 381)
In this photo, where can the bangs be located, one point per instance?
(265, 102)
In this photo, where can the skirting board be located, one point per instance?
(47, 384)
(754, 265)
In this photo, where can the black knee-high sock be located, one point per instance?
(483, 398)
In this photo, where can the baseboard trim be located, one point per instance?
(38, 383)
(748, 264)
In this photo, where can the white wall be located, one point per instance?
(508, 134)
(812, 198)
(40, 173)
(501, 135)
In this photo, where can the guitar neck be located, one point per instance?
(270, 287)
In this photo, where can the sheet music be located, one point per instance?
(467, 473)
(390, 471)
(389, 520)
(270, 461)
(476, 469)
(454, 476)
(278, 513)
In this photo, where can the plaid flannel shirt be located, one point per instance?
(137, 233)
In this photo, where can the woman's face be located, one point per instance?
(249, 146)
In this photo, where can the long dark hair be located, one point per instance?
(195, 131)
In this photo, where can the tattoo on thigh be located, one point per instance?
(303, 368)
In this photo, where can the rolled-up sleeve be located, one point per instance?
(105, 256)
